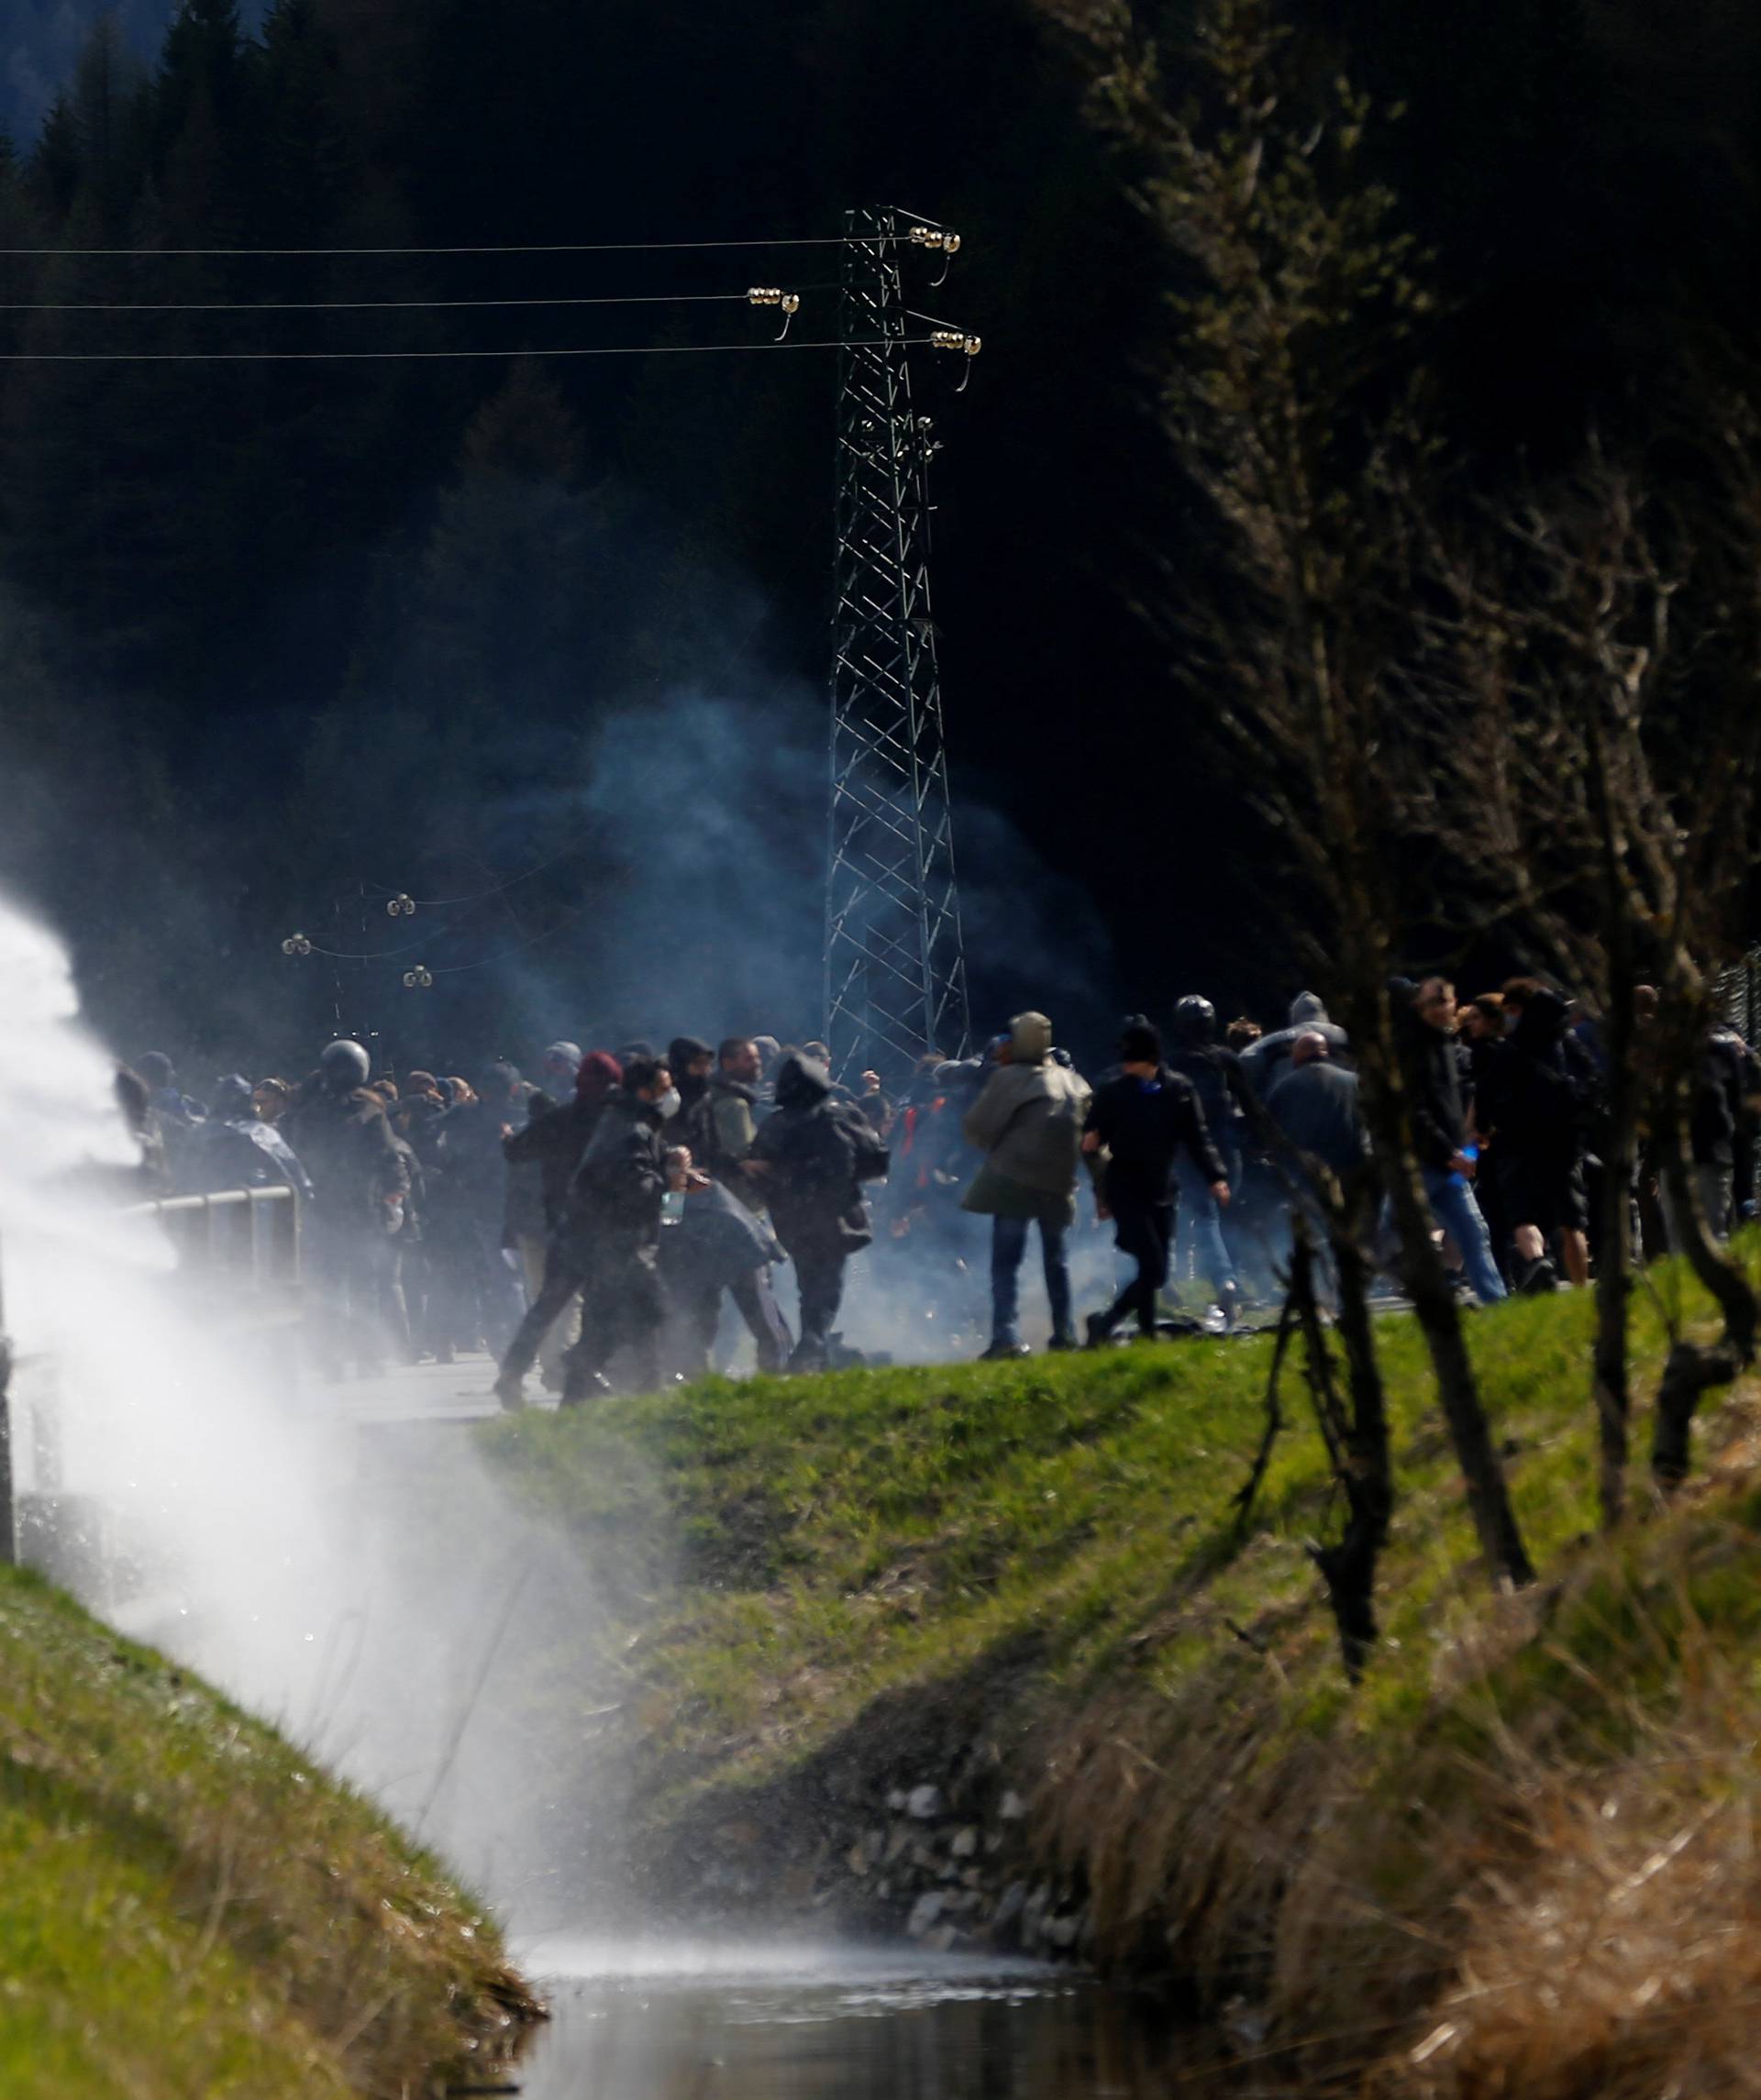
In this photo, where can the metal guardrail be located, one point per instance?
(240, 1256)
(249, 1238)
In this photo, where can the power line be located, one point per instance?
(327, 357)
(370, 306)
(535, 247)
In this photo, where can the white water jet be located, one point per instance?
(376, 1599)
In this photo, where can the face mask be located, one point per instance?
(669, 1104)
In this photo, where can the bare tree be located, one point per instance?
(1292, 394)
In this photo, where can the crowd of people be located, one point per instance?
(592, 1224)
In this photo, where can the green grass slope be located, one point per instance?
(787, 1562)
(188, 1907)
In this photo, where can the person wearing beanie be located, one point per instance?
(1028, 1124)
(557, 1071)
(1139, 1126)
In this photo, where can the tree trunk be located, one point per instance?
(1439, 1319)
(1348, 1566)
(1613, 1291)
(1691, 1370)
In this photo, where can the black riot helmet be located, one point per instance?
(1195, 1020)
(345, 1067)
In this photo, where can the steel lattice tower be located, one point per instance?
(895, 967)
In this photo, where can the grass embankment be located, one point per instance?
(1513, 1842)
(188, 1907)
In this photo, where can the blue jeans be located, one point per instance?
(1008, 1244)
(1453, 1205)
(1198, 1224)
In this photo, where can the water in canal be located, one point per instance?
(804, 2023)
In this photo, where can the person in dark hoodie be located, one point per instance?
(1434, 1073)
(691, 1063)
(1263, 1062)
(613, 1220)
(1214, 1073)
(1139, 1126)
(813, 1155)
(1536, 1101)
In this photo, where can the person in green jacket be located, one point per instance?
(1028, 1124)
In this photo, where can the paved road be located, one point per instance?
(421, 1392)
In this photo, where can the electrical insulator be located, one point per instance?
(402, 907)
(296, 945)
(417, 979)
(934, 237)
(955, 339)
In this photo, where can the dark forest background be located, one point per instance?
(549, 635)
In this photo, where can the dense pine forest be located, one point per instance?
(282, 637)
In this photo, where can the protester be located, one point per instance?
(1536, 1103)
(1139, 1125)
(1263, 1062)
(1213, 1072)
(722, 1127)
(718, 1244)
(1725, 1100)
(1028, 1124)
(614, 1223)
(360, 1184)
(1315, 1107)
(483, 1301)
(1428, 1039)
(813, 1156)
(691, 1063)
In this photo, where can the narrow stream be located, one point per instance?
(797, 2022)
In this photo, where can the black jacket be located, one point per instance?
(1434, 1074)
(618, 1188)
(1214, 1074)
(1727, 1077)
(345, 1143)
(555, 1142)
(1540, 1090)
(1144, 1124)
(820, 1149)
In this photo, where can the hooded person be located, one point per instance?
(609, 1241)
(361, 1185)
(1139, 1127)
(1536, 1101)
(1263, 1062)
(813, 1155)
(691, 1063)
(553, 1144)
(557, 1068)
(1027, 1122)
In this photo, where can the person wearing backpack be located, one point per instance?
(812, 1157)
(1028, 1124)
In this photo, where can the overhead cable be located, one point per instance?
(349, 357)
